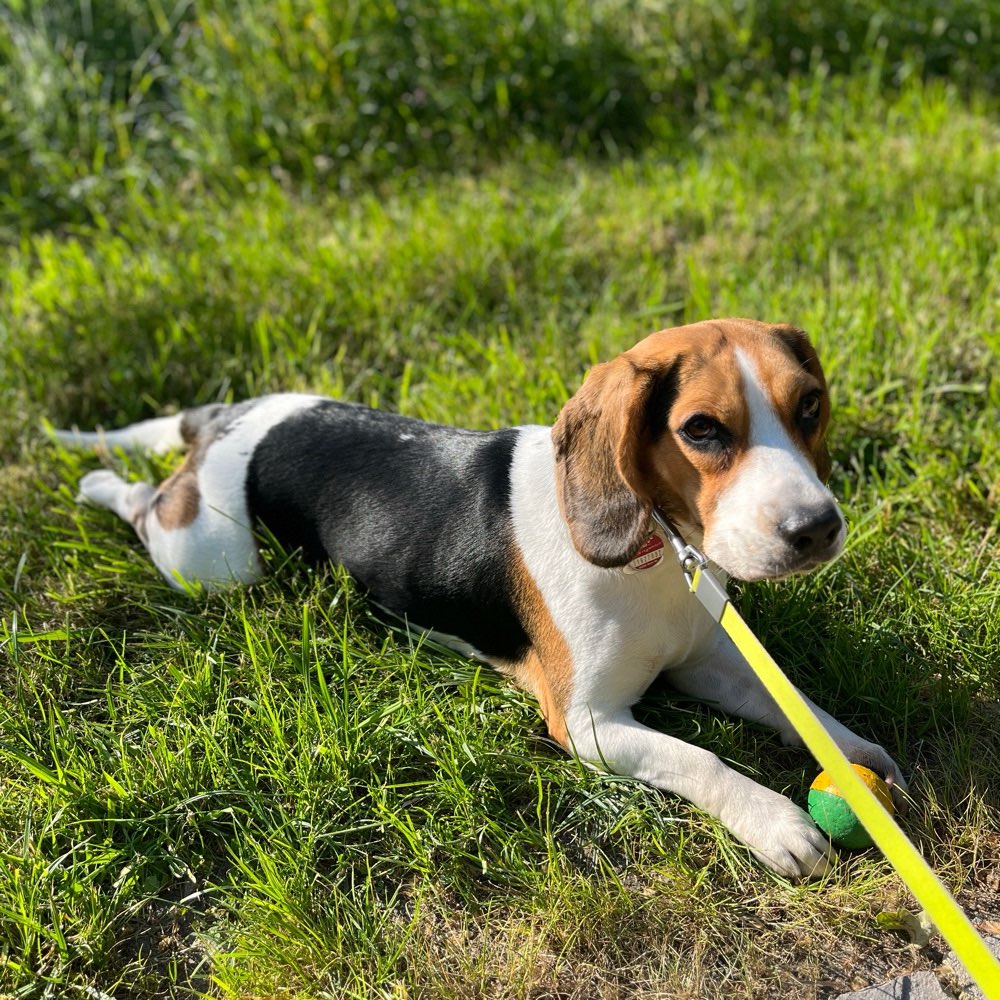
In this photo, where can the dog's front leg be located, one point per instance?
(723, 678)
(778, 832)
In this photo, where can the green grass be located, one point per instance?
(273, 792)
(124, 97)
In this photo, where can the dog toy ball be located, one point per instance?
(835, 817)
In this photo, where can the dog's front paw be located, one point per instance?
(781, 835)
(872, 756)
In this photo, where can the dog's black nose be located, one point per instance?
(812, 532)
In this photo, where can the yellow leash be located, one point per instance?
(941, 907)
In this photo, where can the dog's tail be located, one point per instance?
(159, 435)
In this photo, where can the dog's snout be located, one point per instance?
(812, 532)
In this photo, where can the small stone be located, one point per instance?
(916, 986)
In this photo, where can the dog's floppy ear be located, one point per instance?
(800, 346)
(602, 439)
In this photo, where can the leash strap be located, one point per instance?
(940, 905)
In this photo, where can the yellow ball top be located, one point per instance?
(824, 783)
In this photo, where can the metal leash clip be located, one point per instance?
(694, 564)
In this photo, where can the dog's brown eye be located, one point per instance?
(809, 408)
(700, 429)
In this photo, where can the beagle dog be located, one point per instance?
(533, 548)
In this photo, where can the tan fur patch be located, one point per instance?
(178, 498)
(546, 671)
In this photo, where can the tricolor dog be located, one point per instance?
(534, 547)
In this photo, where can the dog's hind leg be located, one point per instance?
(159, 435)
(130, 501)
(196, 525)
(188, 542)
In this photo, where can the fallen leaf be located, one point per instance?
(916, 926)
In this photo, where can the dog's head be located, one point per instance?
(720, 425)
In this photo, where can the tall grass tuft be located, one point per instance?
(97, 99)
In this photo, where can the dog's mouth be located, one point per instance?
(773, 562)
(777, 541)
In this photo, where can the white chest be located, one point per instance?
(621, 628)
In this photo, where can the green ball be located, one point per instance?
(835, 817)
(837, 820)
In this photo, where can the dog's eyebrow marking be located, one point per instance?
(796, 343)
